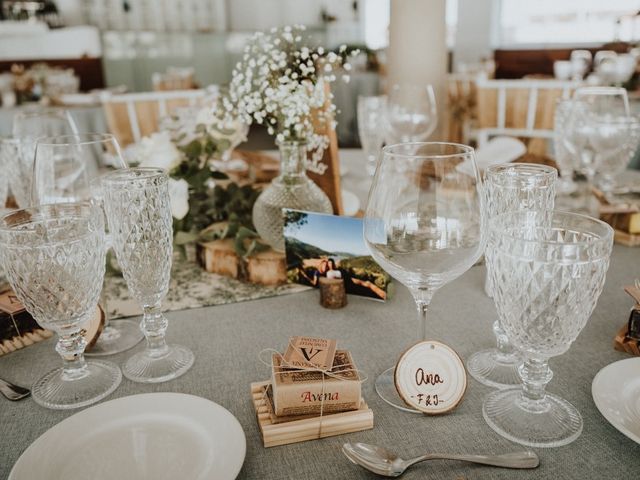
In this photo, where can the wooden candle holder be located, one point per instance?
(332, 293)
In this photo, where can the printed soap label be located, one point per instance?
(307, 352)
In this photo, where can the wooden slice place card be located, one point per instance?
(431, 378)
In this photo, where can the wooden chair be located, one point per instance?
(132, 116)
(519, 108)
(462, 99)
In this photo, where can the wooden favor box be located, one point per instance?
(264, 268)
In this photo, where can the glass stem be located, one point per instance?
(103, 303)
(372, 161)
(503, 344)
(422, 318)
(535, 375)
(71, 347)
(154, 325)
(422, 298)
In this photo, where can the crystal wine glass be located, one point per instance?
(54, 258)
(547, 280)
(616, 140)
(594, 115)
(138, 210)
(27, 127)
(411, 113)
(423, 224)
(510, 187)
(371, 125)
(68, 168)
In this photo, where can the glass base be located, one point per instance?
(118, 336)
(146, 368)
(59, 393)
(386, 390)
(553, 423)
(495, 369)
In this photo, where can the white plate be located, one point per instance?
(149, 436)
(616, 393)
(350, 203)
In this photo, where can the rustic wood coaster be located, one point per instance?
(301, 430)
(430, 377)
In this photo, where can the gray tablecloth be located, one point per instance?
(226, 341)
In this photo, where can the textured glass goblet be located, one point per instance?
(68, 168)
(423, 224)
(136, 201)
(546, 282)
(54, 258)
(510, 187)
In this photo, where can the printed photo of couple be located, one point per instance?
(319, 245)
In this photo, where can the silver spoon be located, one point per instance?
(383, 462)
(13, 392)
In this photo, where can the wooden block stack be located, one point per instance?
(306, 428)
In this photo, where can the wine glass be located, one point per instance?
(27, 127)
(6, 149)
(68, 168)
(547, 279)
(371, 124)
(411, 113)
(139, 214)
(423, 224)
(566, 162)
(616, 140)
(510, 187)
(54, 258)
(593, 117)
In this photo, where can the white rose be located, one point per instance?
(179, 196)
(157, 150)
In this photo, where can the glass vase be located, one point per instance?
(291, 189)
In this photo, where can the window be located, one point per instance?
(568, 21)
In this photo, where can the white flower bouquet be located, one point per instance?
(280, 83)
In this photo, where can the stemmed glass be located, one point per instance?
(510, 187)
(411, 113)
(548, 272)
(27, 127)
(54, 258)
(598, 114)
(68, 168)
(371, 127)
(423, 224)
(566, 162)
(138, 210)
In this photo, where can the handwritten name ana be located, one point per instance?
(424, 378)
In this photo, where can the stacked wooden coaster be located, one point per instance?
(314, 393)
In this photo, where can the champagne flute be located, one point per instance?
(423, 224)
(371, 124)
(138, 210)
(411, 113)
(68, 168)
